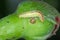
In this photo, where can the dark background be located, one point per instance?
(9, 6)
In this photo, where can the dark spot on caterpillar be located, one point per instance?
(32, 20)
(21, 38)
(7, 21)
(23, 27)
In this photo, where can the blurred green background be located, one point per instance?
(9, 6)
